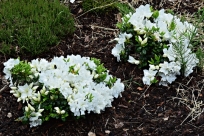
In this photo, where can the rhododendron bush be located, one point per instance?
(72, 84)
(158, 40)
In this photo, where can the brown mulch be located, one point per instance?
(141, 110)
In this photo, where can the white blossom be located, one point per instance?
(133, 60)
(117, 50)
(149, 76)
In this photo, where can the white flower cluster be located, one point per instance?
(74, 77)
(8, 66)
(120, 45)
(181, 53)
(167, 28)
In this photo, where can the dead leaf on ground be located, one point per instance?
(140, 88)
(86, 39)
(91, 134)
(119, 125)
(166, 118)
(119, 17)
(107, 131)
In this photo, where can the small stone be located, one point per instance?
(91, 134)
(107, 131)
(119, 125)
(165, 119)
(9, 115)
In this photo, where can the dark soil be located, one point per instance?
(141, 110)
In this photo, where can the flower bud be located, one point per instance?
(36, 74)
(26, 108)
(145, 36)
(140, 39)
(57, 109)
(128, 36)
(19, 99)
(62, 112)
(164, 55)
(31, 85)
(42, 91)
(152, 67)
(31, 107)
(44, 88)
(31, 76)
(141, 31)
(12, 91)
(13, 88)
(51, 97)
(41, 110)
(144, 41)
(160, 65)
(137, 62)
(96, 76)
(16, 94)
(46, 93)
(39, 96)
(156, 67)
(35, 88)
(35, 99)
(69, 98)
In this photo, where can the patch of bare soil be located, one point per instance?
(141, 110)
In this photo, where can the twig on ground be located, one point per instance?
(143, 107)
(5, 87)
(105, 28)
(144, 92)
(96, 8)
(189, 80)
(188, 98)
(106, 122)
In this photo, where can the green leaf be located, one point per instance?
(63, 118)
(155, 14)
(47, 118)
(53, 115)
(172, 25)
(144, 51)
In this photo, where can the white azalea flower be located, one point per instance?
(25, 91)
(123, 37)
(164, 28)
(117, 88)
(149, 76)
(153, 67)
(169, 53)
(35, 123)
(11, 63)
(140, 14)
(133, 60)
(35, 118)
(165, 79)
(8, 65)
(164, 17)
(117, 50)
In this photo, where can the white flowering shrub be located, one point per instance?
(158, 40)
(65, 85)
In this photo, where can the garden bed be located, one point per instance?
(142, 110)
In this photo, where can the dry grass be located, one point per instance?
(189, 96)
